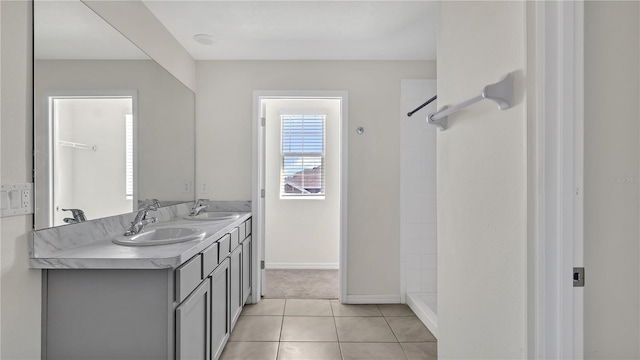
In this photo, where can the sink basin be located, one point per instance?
(161, 236)
(213, 215)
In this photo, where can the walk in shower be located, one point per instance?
(418, 231)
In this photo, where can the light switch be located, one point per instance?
(4, 200)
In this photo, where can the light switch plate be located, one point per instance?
(16, 199)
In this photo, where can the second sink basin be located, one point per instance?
(213, 215)
(161, 236)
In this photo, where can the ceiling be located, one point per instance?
(66, 29)
(303, 29)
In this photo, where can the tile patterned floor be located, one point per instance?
(295, 329)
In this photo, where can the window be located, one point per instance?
(128, 121)
(302, 156)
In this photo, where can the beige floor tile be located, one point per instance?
(250, 351)
(307, 307)
(354, 310)
(308, 328)
(396, 310)
(257, 328)
(265, 307)
(371, 351)
(309, 351)
(421, 351)
(409, 329)
(364, 329)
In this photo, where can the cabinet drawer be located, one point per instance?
(223, 247)
(241, 233)
(209, 260)
(235, 239)
(248, 227)
(188, 276)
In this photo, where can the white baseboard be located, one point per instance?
(305, 266)
(425, 313)
(373, 299)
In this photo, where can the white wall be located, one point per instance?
(224, 117)
(302, 233)
(612, 170)
(418, 188)
(141, 27)
(20, 286)
(481, 180)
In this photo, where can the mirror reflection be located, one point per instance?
(111, 126)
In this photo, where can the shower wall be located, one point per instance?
(418, 188)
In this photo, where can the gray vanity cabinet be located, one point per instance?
(220, 324)
(114, 314)
(183, 313)
(192, 324)
(236, 285)
(246, 268)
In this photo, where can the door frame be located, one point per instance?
(258, 180)
(43, 147)
(555, 48)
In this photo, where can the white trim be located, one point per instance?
(427, 315)
(372, 299)
(258, 180)
(555, 139)
(298, 266)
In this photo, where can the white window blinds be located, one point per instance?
(303, 152)
(128, 157)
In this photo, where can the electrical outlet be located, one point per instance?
(26, 198)
(204, 188)
(186, 187)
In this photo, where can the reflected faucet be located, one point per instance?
(155, 203)
(198, 207)
(78, 216)
(141, 219)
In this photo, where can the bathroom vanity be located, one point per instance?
(178, 301)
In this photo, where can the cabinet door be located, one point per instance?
(220, 325)
(236, 284)
(247, 263)
(192, 324)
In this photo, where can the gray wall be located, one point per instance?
(19, 286)
(611, 198)
(482, 185)
(224, 119)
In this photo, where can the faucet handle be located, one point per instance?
(78, 215)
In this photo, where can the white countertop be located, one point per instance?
(102, 253)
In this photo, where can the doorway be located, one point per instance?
(302, 198)
(300, 192)
(92, 147)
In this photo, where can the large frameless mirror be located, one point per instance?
(111, 126)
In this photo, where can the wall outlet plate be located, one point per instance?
(16, 199)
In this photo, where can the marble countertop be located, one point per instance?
(52, 249)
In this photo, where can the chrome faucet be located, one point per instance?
(141, 219)
(78, 216)
(198, 207)
(155, 203)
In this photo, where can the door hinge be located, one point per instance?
(578, 277)
(263, 121)
(261, 264)
(262, 193)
